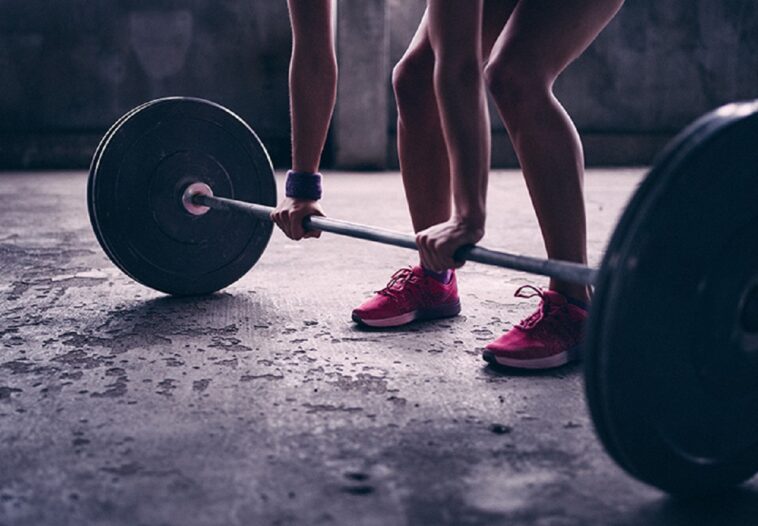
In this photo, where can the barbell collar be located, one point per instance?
(561, 270)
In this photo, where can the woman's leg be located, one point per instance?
(417, 294)
(455, 29)
(541, 38)
(421, 145)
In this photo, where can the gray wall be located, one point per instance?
(69, 68)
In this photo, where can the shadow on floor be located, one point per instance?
(189, 315)
(418, 326)
(497, 370)
(735, 508)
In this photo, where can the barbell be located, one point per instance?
(180, 191)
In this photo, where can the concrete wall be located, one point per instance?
(361, 118)
(69, 68)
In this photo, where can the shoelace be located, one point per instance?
(543, 310)
(397, 282)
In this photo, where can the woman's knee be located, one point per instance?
(516, 85)
(412, 80)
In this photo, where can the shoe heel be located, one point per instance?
(441, 311)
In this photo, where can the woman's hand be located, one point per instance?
(289, 216)
(437, 244)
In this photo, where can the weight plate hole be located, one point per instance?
(190, 192)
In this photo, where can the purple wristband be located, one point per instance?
(303, 185)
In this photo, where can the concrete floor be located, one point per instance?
(263, 404)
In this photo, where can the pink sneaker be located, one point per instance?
(550, 337)
(410, 295)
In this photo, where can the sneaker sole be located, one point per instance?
(550, 362)
(445, 311)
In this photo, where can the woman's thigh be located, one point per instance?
(494, 17)
(542, 37)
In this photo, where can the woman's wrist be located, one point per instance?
(303, 185)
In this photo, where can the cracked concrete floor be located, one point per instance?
(263, 404)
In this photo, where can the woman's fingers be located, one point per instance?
(296, 225)
(289, 217)
(276, 217)
(284, 222)
(431, 259)
(444, 253)
(423, 256)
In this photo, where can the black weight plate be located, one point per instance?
(593, 366)
(93, 164)
(136, 182)
(670, 358)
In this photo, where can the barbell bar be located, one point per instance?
(563, 270)
(671, 353)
